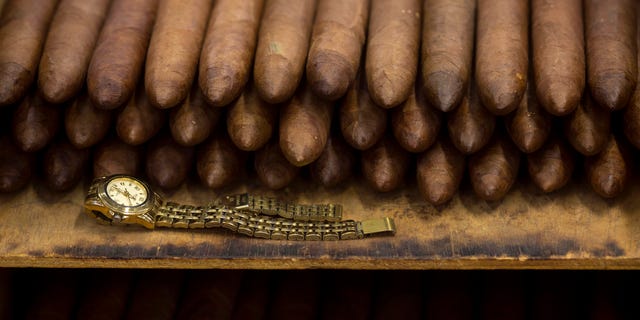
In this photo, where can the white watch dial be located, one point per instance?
(127, 192)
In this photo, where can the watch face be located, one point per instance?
(127, 192)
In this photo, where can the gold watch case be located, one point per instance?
(105, 201)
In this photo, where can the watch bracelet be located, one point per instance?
(174, 215)
(275, 207)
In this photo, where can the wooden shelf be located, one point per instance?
(572, 229)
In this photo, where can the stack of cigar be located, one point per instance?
(163, 88)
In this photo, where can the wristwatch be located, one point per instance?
(123, 199)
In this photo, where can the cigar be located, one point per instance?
(494, 169)
(85, 124)
(35, 123)
(336, 162)
(608, 171)
(470, 125)
(23, 28)
(219, 162)
(251, 121)
(339, 31)
(439, 171)
(415, 123)
(155, 295)
(193, 121)
(107, 296)
(385, 165)
(305, 122)
(399, 297)
(253, 298)
(113, 156)
(139, 121)
(529, 125)
(16, 166)
(273, 169)
(210, 294)
(587, 128)
(228, 49)
(551, 166)
(64, 165)
(362, 122)
(167, 163)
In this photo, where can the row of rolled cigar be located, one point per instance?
(360, 98)
(320, 294)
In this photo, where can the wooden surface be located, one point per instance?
(572, 229)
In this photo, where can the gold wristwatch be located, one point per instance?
(123, 199)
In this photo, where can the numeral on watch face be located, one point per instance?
(127, 192)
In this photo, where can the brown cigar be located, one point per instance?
(139, 121)
(251, 121)
(470, 125)
(439, 171)
(16, 166)
(192, 122)
(219, 162)
(551, 166)
(502, 46)
(119, 55)
(174, 50)
(385, 164)
(557, 37)
(610, 33)
(107, 296)
(362, 122)
(352, 296)
(304, 304)
(152, 298)
(338, 35)
(336, 162)
(415, 123)
(529, 125)
(272, 168)
(85, 124)
(113, 156)
(305, 122)
(253, 298)
(167, 163)
(393, 43)
(210, 294)
(447, 50)
(399, 297)
(35, 122)
(54, 297)
(228, 50)
(608, 171)
(283, 41)
(494, 169)
(64, 165)
(631, 117)
(587, 128)
(67, 51)
(23, 28)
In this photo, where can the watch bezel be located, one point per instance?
(124, 210)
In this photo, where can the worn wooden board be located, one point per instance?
(571, 229)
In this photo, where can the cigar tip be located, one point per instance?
(166, 94)
(489, 187)
(14, 81)
(274, 80)
(221, 85)
(277, 177)
(435, 193)
(54, 91)
(329, 75)
(587, 146)
(501, 98)
(560, 103)
(216, 176)
(108, 94)
(247, 139)
(300, 154)
(444, 90)
(529, 142)
(386, 91)
(609, 186)
(612, 91)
